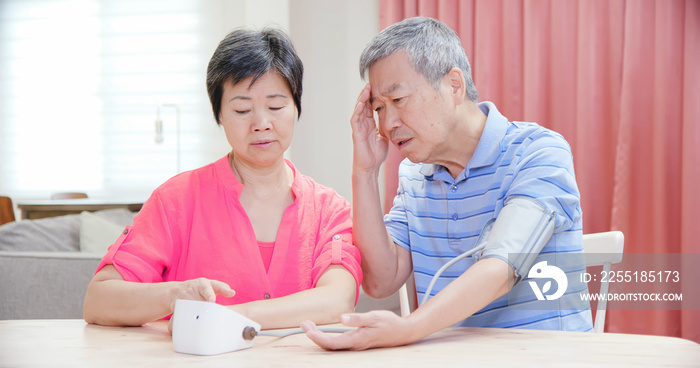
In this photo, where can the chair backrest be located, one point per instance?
(7, 211)
(67, 195)
(603, 249)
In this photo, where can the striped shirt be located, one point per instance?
(437, 217)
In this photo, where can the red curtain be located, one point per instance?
(620, 80)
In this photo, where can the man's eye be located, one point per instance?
(379, 108)
(397, 100)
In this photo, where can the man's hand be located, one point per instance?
(370, 148)
(374, 329)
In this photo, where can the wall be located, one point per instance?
(329, 36)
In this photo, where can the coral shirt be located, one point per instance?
(194, 226)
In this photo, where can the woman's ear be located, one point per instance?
(455, 80)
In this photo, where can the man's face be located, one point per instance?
(412, 114)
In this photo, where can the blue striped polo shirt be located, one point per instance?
(437, 217)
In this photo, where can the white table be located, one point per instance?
(73, 343)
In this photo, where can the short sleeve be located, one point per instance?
(143, 251)
(335, 243)
(396, 221)
(545, 173)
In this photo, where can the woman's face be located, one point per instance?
(258, 120)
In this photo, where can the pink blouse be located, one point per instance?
(194, 226)
(266, 253)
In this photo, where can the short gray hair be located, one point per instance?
(432, 47)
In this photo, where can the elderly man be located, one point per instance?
(472, 181)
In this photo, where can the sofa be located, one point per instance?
(46, 264)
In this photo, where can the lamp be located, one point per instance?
(159, 128)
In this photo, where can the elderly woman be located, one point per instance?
(247, 231)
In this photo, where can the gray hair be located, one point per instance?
(432, 47)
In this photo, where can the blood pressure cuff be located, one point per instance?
(518, 234)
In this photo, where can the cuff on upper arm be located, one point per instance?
(518, 234)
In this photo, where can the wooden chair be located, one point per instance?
(7, 211)
(68, 195)
(601, 249)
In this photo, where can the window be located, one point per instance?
(80, 82)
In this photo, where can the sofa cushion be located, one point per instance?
(54, 234)
(47, 234)
(119, 216)
(98, 233)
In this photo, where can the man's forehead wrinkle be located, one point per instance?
(388, 91)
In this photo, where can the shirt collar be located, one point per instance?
(487, 151)
(489, 148)
(230, 181)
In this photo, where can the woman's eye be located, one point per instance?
(276, 108)
(397, 100)
(241, 112)
(379, 108)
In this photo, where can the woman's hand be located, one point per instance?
(201, 289)
(370, 148)
(111, 301)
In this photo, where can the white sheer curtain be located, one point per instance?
(80, 82)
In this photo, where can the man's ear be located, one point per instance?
(455, 80)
